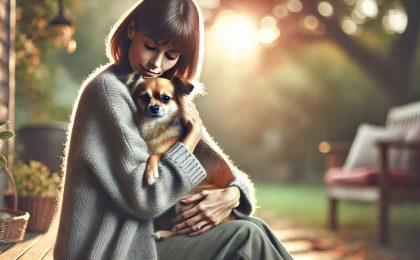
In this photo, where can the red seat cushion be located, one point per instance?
(367, 176)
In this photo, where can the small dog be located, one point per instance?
(160, 103)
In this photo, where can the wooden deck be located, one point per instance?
(35, 246)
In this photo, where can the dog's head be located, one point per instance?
(158, 97)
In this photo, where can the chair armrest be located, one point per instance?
(333, 152)
(398, 144)
(383, 147)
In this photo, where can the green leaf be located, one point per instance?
(3, 161)
(3, 123)
(4, 135)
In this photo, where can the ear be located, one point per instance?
(133, 80)
(131, 30)
(182, 86)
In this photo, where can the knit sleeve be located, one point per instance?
(241, 181)
(111, 147)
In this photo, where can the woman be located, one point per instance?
(107, 209)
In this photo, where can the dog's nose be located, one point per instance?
(154, 109)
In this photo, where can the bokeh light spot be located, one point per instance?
(310, 22)
(280, 11)
(325, 9)
(395, 21)
(348, 26)
(294, 6)
(268, 35)
(368, 7)
(268, 21)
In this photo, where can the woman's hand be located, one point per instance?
(205, 210)
(194, 126)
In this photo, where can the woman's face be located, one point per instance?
(149, 57)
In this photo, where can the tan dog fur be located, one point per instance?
(163, 131)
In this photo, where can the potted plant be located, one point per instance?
(37, 190)
(13, 222)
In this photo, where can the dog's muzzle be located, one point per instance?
(155, 111)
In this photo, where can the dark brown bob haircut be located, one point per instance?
(174, 23)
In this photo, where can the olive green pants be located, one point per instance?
(248, 238)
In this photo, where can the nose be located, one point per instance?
(156, 61)
(154, 109)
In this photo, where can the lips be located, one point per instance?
(148, 73)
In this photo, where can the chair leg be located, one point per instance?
(383, 215)
(332, 213)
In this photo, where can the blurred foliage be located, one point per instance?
(274, 118)
(35, 179)
(268, 108)
(37, 62)
(307, 86)
(388, 58)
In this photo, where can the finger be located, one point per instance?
(189, 222)
(201, 231)
(184, 207)
(187, 214)
(195, 197)
(192, 229)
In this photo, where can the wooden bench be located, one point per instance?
(383, 193)
(35, 246)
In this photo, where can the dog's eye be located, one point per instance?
(166, 99)
(144, 97)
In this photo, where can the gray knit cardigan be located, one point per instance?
(107, 210)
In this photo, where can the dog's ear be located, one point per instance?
(182, 86)
(132, 80)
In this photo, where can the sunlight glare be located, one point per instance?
(236, 31)
(395, 21)
(210, 4)
(268, 35)
(268, 32)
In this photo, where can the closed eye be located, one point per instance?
(150, 47)
(171, 57)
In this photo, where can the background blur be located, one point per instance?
(281, 75)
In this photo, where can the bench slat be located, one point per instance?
(43, 246)
(18, 249)
(49, 255)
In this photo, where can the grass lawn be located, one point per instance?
(306, 206)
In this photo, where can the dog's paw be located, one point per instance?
(156, 173)
(151, 175)
(163, 234)
(150, 178)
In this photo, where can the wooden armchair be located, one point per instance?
(382, 184)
